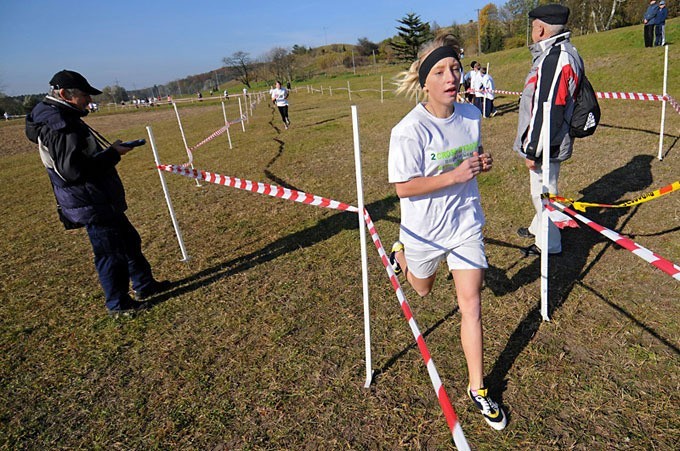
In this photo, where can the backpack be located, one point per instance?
(586, 115)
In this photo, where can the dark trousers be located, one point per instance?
(283, 110)
(659, 35)
(118, 258)
(649, 35)
(488, 107)
(478, 102)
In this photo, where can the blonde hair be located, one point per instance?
(407, 81)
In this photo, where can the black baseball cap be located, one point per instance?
(68, 79)
(552, 14)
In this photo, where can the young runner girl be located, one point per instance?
(435, 156)
(280, 98)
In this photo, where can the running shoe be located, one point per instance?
(398, 246)
(493, 414)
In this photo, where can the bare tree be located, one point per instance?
(241, 64)
(280, 63)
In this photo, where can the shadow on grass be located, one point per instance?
(569, 270)
(323, 230)
(506, 108)
(392, 360)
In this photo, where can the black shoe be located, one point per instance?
(534, 250)
(523, 232)
(130, 312)
(153, 289)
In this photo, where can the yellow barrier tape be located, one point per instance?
(581, 206)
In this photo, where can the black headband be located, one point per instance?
(433, 58)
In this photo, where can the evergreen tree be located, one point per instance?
(412, 34)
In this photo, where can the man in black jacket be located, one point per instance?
(81, 165)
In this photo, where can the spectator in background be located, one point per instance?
(226, 94)
(660, 24)
(553, 78)
(6, 114)
(467, 83)
(488, 86)
(477, 86)
(81, 165)
(649, 20)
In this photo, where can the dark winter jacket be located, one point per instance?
(650, 14)
(82, 171)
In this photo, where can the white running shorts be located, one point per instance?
(469, 255)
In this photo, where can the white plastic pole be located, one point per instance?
(181, 129)
(349, 91)
(364, 255)
(330, 90)
(484, 102)
(175, 224)
(545, 138)
(184, 138)
(226, 124)
(381, 85)
(663, 104)
(240, 112)
(321, 89)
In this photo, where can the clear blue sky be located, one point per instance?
(141, 43)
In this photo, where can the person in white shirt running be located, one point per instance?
(435, 155)
(280, 98)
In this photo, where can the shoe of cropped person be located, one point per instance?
(492, 412)
(153, 289)
(130, 312)
(398, 246)
(534, 250)
(523, 232)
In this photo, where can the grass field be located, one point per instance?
(259, 344)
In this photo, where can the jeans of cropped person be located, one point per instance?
(119, 259)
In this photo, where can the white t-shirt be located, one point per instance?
(280, 96)
(423, 145)
(476, 82)
(488, 86)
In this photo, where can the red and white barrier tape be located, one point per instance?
(190, 150)
(237, 121)
(650, 257)
(299, 196)
(257, 187)
(602, 95)
(495, 91)
(211, 137)
(442, 397)
(628, 96)
(674, 103)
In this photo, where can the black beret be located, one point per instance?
(552, 14)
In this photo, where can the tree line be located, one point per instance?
(495, 28)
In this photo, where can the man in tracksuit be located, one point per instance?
(81, 166)
(554, 77)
